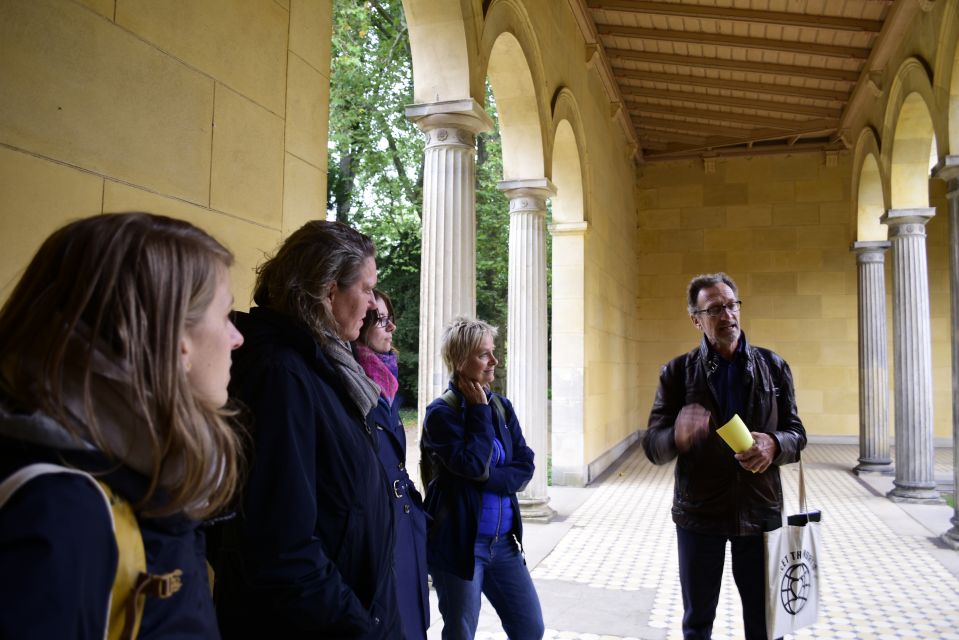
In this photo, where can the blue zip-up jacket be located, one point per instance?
(460, 443)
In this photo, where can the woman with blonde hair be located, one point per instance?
(479, 460)
(114, 363)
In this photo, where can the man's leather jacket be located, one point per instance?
(713, 493)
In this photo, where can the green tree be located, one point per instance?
(375, 173)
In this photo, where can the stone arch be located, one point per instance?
(871, 189)
(441, 50)
(515, 72)
(946, 77)
(910, 127)
(569, 228)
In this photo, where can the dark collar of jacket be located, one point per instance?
(710, 358)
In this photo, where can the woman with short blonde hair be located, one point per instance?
(473, 442)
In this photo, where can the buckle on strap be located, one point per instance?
(163, 585)
(397, 486)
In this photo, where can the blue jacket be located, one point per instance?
(310, 553)
(409, 552)
(58, 553)
(460, 443)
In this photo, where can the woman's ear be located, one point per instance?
(186, 351)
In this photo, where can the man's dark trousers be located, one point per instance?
(701, 558)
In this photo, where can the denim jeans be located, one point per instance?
(500, 574)
(701, 558)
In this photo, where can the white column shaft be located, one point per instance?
(873, 359)
(912, 351)
(527, 377)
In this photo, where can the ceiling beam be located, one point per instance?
(719, 83)
(698, 129)
(743, 103)
(725, 116)
(723, 152)
(738, 65)
(740, 15)
(699, 37)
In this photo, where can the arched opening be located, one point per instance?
(870, 203)
(568, 371)
(913, 154)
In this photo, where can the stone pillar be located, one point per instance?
(873, 360)
(527, 380)
(949, 172)
(912, 352)
(448, 262)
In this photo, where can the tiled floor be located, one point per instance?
(613, 573)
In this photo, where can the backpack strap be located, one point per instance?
(132, 583)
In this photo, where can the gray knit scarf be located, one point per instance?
(363, 391)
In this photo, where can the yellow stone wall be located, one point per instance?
(212, 111)
(781, 227)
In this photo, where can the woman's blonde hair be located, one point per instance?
(461, 338)
(123, 289)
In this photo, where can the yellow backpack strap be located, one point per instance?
(126, 603)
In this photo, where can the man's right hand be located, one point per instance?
(692, 425)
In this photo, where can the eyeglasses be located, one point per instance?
(383, 321)
(717, 309)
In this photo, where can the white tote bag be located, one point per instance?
(792, 570)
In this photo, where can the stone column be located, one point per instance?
(873, 360)
(912, 352)
(949, 172)
(527, 379)
(448, 262)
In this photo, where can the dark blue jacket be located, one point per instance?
(310, 553)
(58, 554)
(460, 444)
(409, 557)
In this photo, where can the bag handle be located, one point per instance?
(802, 488)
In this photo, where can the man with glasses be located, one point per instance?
(720, 496)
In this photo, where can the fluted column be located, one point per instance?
(873, 360)
(448, 261)
(527, 377)
(912, 352)
(949, 172)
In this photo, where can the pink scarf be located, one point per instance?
(377, 371)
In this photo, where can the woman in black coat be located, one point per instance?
(310, 553)
(376, 355)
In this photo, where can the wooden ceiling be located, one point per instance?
(723, 77)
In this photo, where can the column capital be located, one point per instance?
(527, 195)
(466, 115)
(870, 250)
(907, 222)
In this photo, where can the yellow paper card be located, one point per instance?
(736, 434)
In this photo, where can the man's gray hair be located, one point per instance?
(461, 338)
(703, 281)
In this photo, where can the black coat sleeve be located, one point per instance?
(659, 442)
(58, 556)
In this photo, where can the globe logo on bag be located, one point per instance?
(795, 586)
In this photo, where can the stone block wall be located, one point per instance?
(211, 111)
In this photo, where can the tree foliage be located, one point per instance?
(375, 175)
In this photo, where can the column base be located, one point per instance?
(536, 510)
(951, 537)
(915, 494)
(874, 467)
